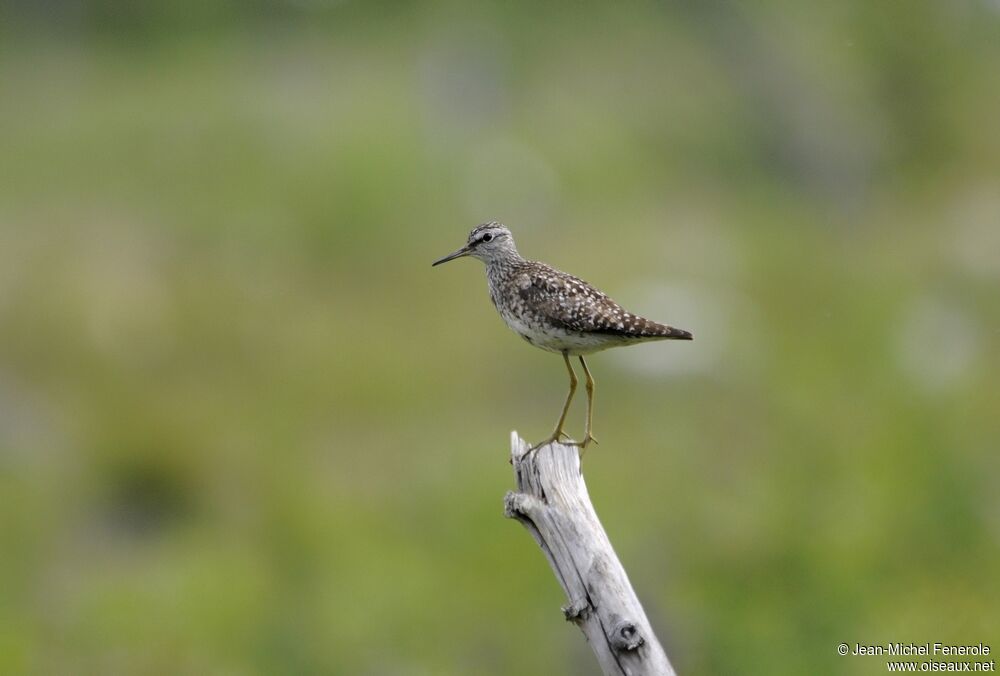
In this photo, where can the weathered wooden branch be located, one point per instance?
(553, 504)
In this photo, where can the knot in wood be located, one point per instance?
(626, 636)
(576, 611)
(513, 504)
(521, 506)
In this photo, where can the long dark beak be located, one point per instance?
(464, 251)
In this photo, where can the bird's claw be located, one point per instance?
(583, 444)
(556, 438)
(540, 444)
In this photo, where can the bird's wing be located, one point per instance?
(575, 305)
(568, 301)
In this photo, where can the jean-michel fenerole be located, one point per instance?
(920, 649)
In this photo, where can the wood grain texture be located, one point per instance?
(552, 503)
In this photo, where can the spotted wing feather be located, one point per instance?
(575, 305)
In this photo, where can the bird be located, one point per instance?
(556, 312)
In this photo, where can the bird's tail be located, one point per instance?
(651, 329)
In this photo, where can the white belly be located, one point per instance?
(557, 340)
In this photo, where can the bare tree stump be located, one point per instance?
(553, 504)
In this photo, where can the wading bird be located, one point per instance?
(555, 311)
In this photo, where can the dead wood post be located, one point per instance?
(553, 504)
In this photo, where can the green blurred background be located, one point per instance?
(246, 429)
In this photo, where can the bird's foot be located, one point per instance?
(540, 444)
(556, 438)
(582, 445)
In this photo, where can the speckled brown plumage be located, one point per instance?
(559, 312)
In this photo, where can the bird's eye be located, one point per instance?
(487, 237)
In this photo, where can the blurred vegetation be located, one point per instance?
(246, 429)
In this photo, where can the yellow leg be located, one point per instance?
(558, 432)
(587, 436)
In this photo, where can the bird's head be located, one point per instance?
(487, 242)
